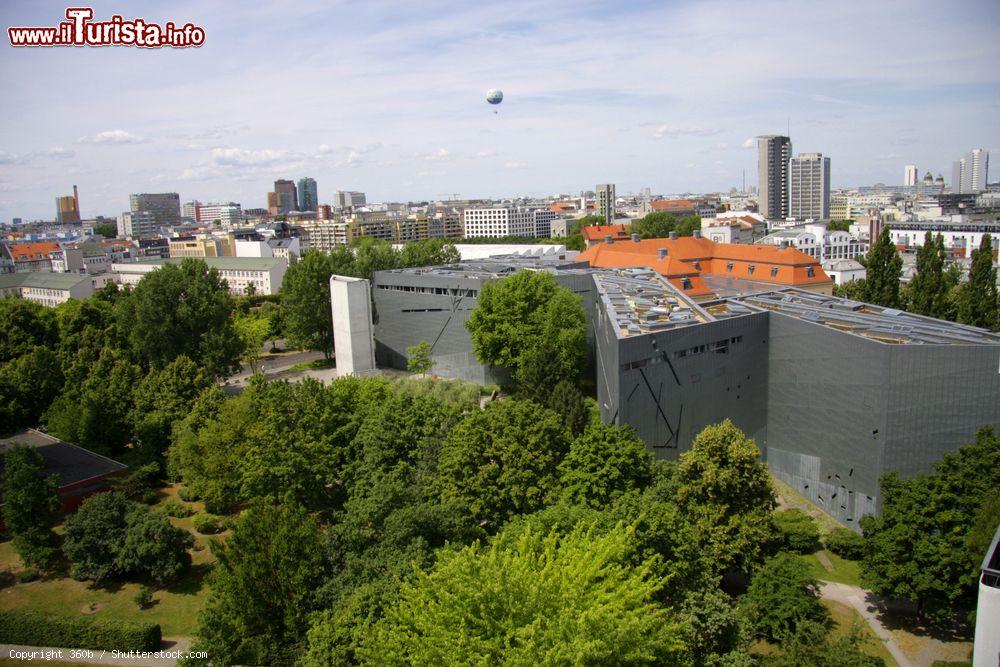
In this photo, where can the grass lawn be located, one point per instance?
(789, 497)
(844, 617)
(844, 571)
(314, 365)
(175, 608)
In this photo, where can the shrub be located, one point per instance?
(176, 509)
(798, 531)
(37, 629)
(206, 524)
(140, 481)
(27, 575)
(152, 546)
(94, 535)
(187, 495)
(150, 497)
(846, 543)
(143, 597)
(781, 596)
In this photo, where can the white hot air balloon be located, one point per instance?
(494, 96)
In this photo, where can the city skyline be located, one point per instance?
(646, 95)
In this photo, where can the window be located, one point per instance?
(729, 266)
(810, 272)
(751, 269)
(686, 283)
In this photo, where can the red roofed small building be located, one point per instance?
(688, 261)
(27, 257)
(598, 233)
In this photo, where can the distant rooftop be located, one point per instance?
(42, 279)
(221, 263)
(641, 301)
(886, 325)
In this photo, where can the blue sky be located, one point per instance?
(387, 97)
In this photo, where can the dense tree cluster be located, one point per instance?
(29, 506)
(923, 546)
(658, 225)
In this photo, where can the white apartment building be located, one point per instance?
(228, 215)
(844, 270)
(816, 241)
(910, 175)
(47, 288)
(960, 237)
(137, 224)
(501, 221)
(969, 173)
(809, 187)
(286, 249)
(265, 274)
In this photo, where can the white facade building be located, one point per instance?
(969, 173)
(229, 215)
(47, 288)
(265, 274)
(809, 187)
(816, 241)
(844, 270)
(137, 224)
(910, 175)
(961, 237)
(501, 221)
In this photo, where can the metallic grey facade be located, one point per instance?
(835, 393)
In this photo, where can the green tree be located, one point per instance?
(161, 398)
(374, 255)
(95, 414)
(927, 292)
(94, 535)
(28, 385)
(305, 302)
(797, 530)
(25, 325)
(429, 252)
(977, 298)
(529, 322)
(604, 463)
(726, 492)
(419, 358)
(845, 543)
(781, 596)
(263, 587)
(253, 332)
(181, 310)
(569, 403)
(108, 230)
(811, 644)
(885, 266)
(655, 225)
(573, 599)
(30, 505)
(915, 548)
(839, 226)
(502, 460)
(574, 233)
(152, 546)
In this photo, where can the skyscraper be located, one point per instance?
(348, 199)
(606, 202)
(809, 189)
(773, 155)
(308, 201)
(288, 199)
(910, 175)
(165, 206)
(67, 209)
(969, 174)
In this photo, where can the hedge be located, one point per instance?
(30, 628)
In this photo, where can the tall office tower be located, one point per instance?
(969, 174)
(809, 190)
(773, 155)
(910, 175)
(165, 206)
(66, 209)
(190, 210)
(606, 202)
(307, 194)
(288, 198)
(273, 203)
(348, 199)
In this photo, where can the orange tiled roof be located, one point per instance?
(28, 251)
(598, 232)
(668, 205)
(688, 257)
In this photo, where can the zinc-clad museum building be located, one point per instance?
(835, 392)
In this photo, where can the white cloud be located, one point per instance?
(665, 130)
(749, 143)
(60, 152)
(11, 158)
(112, 137)
(514, 165)
(238, 157)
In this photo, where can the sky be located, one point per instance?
(389, 97)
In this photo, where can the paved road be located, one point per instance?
(171, 648)
(857, 597)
